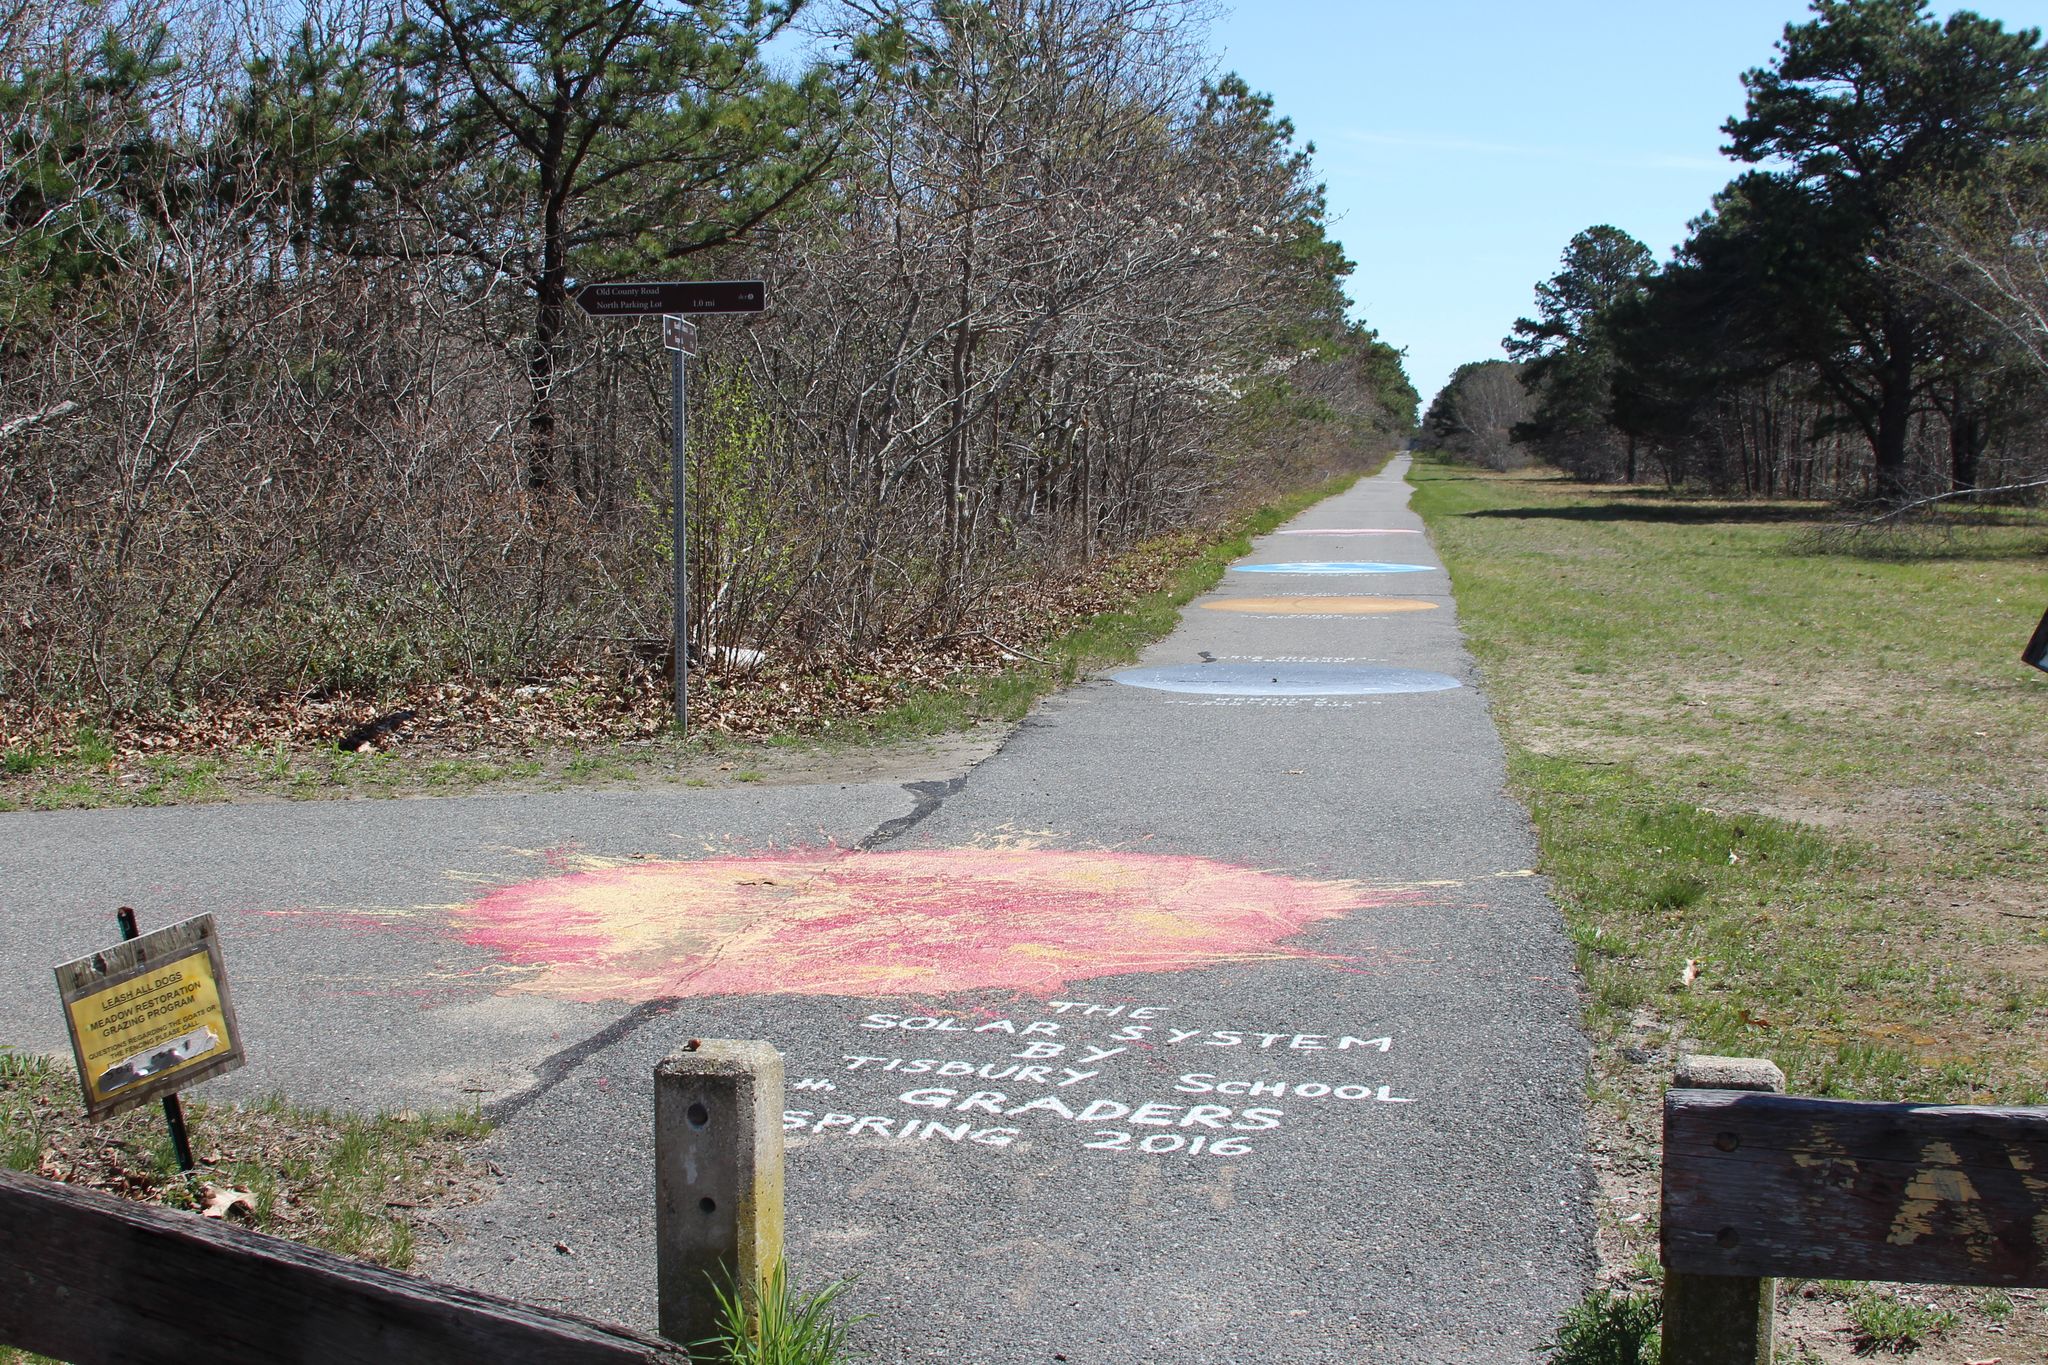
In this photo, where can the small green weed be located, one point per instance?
(1883, 1322)
(93, 747)
(22, 761)
(1606, 1328)
(779, 1327)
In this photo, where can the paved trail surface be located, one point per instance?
(1217, 1018)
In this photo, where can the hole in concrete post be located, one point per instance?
(698, 1115)
(708, 1205)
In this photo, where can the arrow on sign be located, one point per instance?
(641, 298)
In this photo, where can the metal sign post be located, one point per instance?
(673, 301)
(679, 335)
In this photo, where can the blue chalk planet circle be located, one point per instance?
(1284, 680)
(1330, 568)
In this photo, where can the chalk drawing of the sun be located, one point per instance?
(917, 922)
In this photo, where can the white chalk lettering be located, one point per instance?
(1206, 1083)
(1041, 1050)
(917, 1023)
(1110, 1140)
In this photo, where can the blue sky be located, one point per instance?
(1463, 142)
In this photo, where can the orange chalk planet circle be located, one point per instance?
(1320, 606)
(916, 922)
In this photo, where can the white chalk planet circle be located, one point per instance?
(1337, 567)
(1285, 680)
(1319, 606)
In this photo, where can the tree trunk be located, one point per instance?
(541, 365)
(1894, 414)
(1967, 438)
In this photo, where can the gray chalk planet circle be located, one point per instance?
(1285, 680)
(1338, 567)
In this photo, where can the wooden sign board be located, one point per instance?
(1773, 1185)
(149, 1016)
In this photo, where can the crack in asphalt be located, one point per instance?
(929, 796)
(559, 1066)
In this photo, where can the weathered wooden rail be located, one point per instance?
(89, 1278)
(1759, 1185)
(95, 1280)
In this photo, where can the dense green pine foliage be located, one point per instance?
(1845, 319)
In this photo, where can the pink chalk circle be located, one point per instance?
(913, 922)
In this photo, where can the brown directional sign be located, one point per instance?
(678, 333)
(634, 299)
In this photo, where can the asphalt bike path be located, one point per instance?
(1201, 1025)
(1216, 1018)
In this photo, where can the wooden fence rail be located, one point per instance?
(1760, 1185)
(95, 1280)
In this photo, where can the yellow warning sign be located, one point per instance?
(149, 1016)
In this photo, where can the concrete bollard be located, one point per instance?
(1721, 1319)
(717, 1179)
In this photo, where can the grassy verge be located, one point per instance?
(791, 720)
(360, 1187)
(1790, 799)
(353, 1185)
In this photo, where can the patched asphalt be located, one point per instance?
(1364, 1144)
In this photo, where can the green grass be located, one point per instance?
(1885, 1322)
(777, 1325)
(1814, 776)
(334, 1180)
(1609, 1329)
